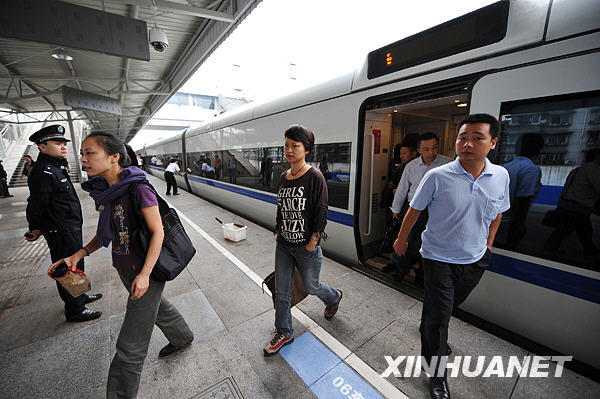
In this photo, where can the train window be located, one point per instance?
(333, 160)
(557, 139)
(261, 168)
(162, 160)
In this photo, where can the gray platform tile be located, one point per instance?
(205, 374)
(237, 299)
(196, 310)
(402, 338)
(14, 232)
(66, 366)
(213, 269)
(10, 291)
(184, 283)
(569, 386)
(275, 373)
(31, 322)
(399, 338)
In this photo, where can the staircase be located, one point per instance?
(18, 180)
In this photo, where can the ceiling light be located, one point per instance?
(456, 101)
(60, 54)
(395, 110)
(462, 105)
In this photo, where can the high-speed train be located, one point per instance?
(534, 64)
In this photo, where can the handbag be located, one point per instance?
(177, 249)
(75, 283)
(298, 291)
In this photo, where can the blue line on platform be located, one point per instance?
(325, 373)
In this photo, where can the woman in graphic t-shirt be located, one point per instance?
(105, 159)
(301, 220)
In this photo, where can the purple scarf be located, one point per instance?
(104, 195)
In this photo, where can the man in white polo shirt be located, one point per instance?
(466, 199)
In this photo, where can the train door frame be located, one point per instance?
(185, 161)
(456, 86)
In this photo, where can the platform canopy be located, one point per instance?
(93, 57)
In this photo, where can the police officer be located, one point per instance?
(54, 211)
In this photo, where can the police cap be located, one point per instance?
(52, 132)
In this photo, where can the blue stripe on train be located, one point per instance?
(548, 195)
(334, 216)
(568, 283)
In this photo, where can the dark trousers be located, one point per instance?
(581, 225)
(447, 285)
(4, 188)
(171, 182)
(414, 244)
(61, 246)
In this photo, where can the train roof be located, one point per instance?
(519, 23)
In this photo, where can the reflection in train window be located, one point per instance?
(261, 168)
(544, 157)
(162, 160)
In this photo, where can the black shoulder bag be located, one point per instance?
(177, 249)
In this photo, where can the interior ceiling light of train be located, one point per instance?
(113, 63)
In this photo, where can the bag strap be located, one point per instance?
(163, 207)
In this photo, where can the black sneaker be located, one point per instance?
(85, 315)
(170, 349)
(92, 298)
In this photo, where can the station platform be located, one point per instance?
(219, 294)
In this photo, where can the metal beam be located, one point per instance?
(58, 91)
(82, 78)
(178, 8)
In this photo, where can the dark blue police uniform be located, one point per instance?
(53, 208)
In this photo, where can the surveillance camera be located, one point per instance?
(158, 39)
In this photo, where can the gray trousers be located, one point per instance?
(134, 337)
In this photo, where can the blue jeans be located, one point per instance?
(309, 265)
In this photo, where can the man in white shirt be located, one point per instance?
(428, 146)
(170, 176)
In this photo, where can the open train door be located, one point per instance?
(388, 120)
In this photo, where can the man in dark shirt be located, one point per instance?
(54, 211)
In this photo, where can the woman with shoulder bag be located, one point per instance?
(301, 218)
(105, 159)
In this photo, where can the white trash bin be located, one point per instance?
(232, 232)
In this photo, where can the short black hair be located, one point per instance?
(481, 118)
(428, 136)
(410, 146)
(112, 145)
(172, 160)
(302, 134)
(592, 154)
